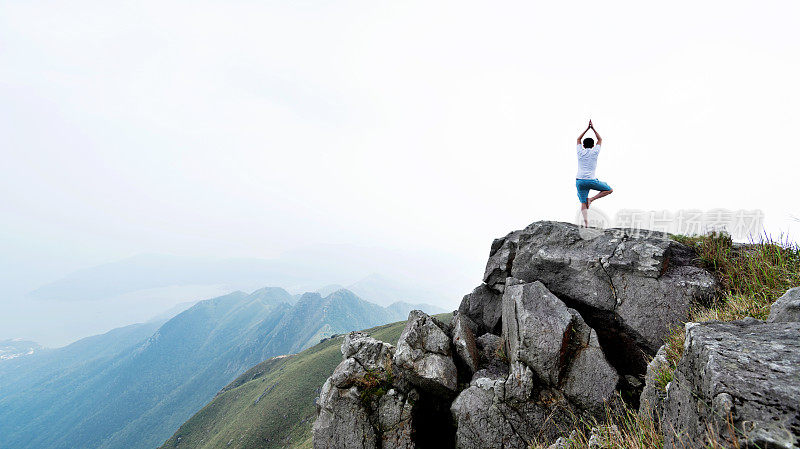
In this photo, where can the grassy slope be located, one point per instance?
(272, 404)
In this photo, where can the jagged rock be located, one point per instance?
(509, 413)
(360, 353)
(519, 383)
(464, 342)
(631, 286)
(536, 327)
(483, 306)
(590, 381)
(394, 419)
(424, 355)
(342, 420)
(786, 308)
(651, 401)
(743, 375)
(479, 423)
(557, 344)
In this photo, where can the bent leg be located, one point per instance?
(604, 190)
(601, 194)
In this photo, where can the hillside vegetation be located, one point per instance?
(752, 276)
(132, 387)
(273, 404)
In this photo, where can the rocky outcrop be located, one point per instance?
(483, 306)
(736, 381)
(425, 356)
(350, 411)
(558, 374)
(510, 412)
(786, 308)
(556, 344)
(630, 286)
(562, 322)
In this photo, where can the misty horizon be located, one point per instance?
(350, 139)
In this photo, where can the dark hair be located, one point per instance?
(588, 142)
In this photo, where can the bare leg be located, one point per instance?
(584, 207)
(598, 196)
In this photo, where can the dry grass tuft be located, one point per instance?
(753, 276)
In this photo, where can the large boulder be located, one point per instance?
(342, 420)
(393, 419)
(351, 417)
(479, 422)
(738, 380)
(537, 328)
(631, 286)
(786, 308)
(556, 344)
(464, 342)
(590, 382)
(510, 413)
(425, 356)
(483, 306)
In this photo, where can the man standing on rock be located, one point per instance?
(586, 180)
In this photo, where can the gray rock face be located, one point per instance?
(479, 422)
(464, 342)
(558, 373)
(651, 401)
(590, 381)
(641, 284)
(510, 413)
(360, 353)
(393, 419)
(556, 344)
(483, 306)
(425, 356)
(536, 327)
(344, 420)
(743, 373)
(786, 308)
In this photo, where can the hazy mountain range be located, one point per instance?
(133, 386)
(151, 271)
(138, 288)
(271, 405)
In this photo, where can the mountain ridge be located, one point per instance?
(159, 374)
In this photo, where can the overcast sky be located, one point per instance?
(244, 128)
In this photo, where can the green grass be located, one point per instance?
(752, 276)
(272, 404)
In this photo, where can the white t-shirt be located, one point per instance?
(587, 161)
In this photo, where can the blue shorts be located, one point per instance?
(584, 185)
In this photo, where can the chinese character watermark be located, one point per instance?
(739, 224)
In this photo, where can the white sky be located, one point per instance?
(244, 128)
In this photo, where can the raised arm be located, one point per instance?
(580, 138)
(599, 139)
